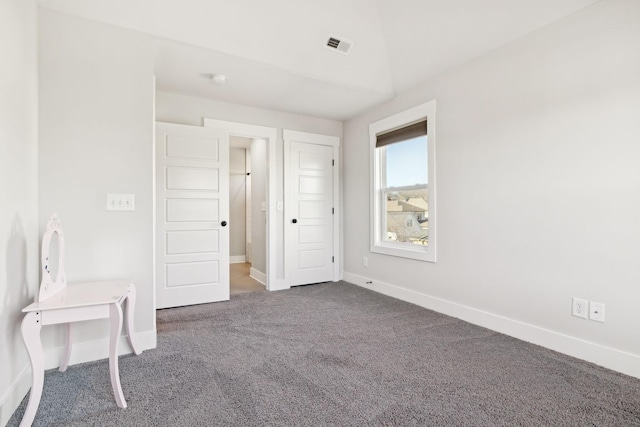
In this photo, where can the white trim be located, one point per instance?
(326, 140)
(14, 395)
(257, 275)
(247, 204)
(611, 358)
(271, 136)
(237, 259)
(286, 147)
(377, 243)
(279, 285)
(86, 351)
(154, 205)
(337, 212)
(311, 138)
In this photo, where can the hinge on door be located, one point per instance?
(333, 211)
(333, 162)
(333, 259)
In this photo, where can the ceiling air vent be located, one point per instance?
(339, 44)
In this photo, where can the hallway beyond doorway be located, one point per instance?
(241, 281)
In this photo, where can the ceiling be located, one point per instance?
(274, 53)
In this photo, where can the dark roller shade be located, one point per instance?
(412, 131)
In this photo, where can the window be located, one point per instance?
(403, 184)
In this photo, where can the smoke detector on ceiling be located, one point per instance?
(339, 44)
(219, 79)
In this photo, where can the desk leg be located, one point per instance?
(116, 327)
(131, 305)
(31, 326)
(66, 355)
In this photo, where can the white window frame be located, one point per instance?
(378, 204)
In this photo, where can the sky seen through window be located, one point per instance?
(407, 162)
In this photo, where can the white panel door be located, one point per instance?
(310, 209)
(192, 208)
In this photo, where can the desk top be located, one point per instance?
(83, 295)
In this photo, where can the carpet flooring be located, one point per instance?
(336, 354)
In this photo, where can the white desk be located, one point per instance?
(75, 303)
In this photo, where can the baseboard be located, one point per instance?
(14, 395)
(237, 259)
(278, 285)
(81, 352)
(258, 275)
(626, 363)
(88, 351)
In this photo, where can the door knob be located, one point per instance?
(295, 221)
(223, 223)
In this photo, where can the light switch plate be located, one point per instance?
(120, 202)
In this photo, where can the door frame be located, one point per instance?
(270, 135)
(318, 139)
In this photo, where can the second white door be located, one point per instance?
(310, 209)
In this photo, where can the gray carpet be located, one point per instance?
(336, 354)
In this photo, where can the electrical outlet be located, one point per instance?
(596, 311)
(580, 308)
(365, 261)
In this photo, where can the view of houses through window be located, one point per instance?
(408, 216)
(405, 190)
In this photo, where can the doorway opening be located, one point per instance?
(263, 149)
(247, 209)
(241, 280)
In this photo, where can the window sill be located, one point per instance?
(403, 250)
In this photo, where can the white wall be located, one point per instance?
(237, 202)
(19, 242)
(96, 137)
(537, 188)
(188, 110)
